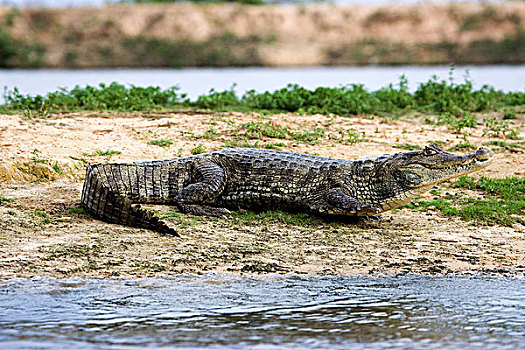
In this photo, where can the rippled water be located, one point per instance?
(291, 311)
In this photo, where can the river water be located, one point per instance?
(264, 312)
(199, 81)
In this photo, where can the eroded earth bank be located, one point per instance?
(189, 34)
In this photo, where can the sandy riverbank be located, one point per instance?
(41, 170)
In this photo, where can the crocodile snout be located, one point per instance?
(483, 153)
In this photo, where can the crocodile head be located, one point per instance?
(410, 174)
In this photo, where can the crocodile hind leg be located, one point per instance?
(196, 198)
(343, 204)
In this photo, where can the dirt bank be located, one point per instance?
(185, 34)
(44, 232)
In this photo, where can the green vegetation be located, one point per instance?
(504, 144)
(503, 202)
(8, 49)
(500, 128)
(77, 210)
(107, 153)
(408, 147)
(5, 200)
(258, 130)
(248, 217)
(104, 97)
(463, 146)
(69, 251)
(160, 142)
(16, 53)
(45, 219)
(199, 149)
(508, 50)
(218, 51)
(488, 16)
(457, 123)
(452, 101)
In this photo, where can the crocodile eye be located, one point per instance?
(412, 177)
(429, 151)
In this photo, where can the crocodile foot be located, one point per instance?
(368, 210)
(203, 210)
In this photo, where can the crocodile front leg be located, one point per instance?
(343, 204)
(196, 198)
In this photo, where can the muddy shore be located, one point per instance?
(45, 233)
(186, 34)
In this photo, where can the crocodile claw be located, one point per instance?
(204, 210)
(368, 210)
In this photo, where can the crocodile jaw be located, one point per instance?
(425, 175)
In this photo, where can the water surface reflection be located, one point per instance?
(221, 311)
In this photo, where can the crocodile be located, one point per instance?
(212, 184)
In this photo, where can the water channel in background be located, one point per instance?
(198, 81)
(272, 311)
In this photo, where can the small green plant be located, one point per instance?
(408, 146)
(257, 130)
(160, 142)
(501, 143)
(199, 149)
(211, 134)
(352, 135)
(310, 137)
(77, 210)
(57, 168)
(463, 145)
(6, 200)
(107, 153)
(36, 156)
(458, 124)
(42, 214)
(439, 143)
(500, 128)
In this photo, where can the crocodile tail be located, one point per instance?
(102, 198)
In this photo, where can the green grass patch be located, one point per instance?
(501, 143)
(107, 153)
(463, 146)
(161, 142)
(408, 147)
(258, 130)
(256, 144)
(6, 200)
(199, 149)
(503, 202)
(500, 128)
(77, 210)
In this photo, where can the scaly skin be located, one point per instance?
(209, 184)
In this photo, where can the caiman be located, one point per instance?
(211, 184)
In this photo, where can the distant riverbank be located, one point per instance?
(218, 35)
